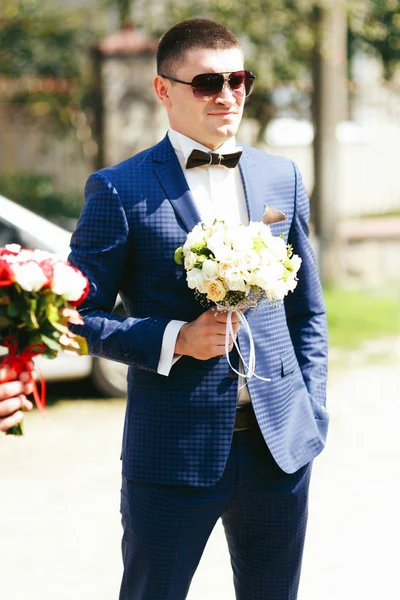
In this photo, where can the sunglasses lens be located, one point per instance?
(236, 82)
(249, 82)
(207, 84)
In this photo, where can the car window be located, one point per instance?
(11, 235)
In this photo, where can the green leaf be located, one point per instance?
(12, 310)
(5, 322)
(51, 343)
(34, 321)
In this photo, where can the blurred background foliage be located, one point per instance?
(44, 65)
(39, 193)
(45, 46)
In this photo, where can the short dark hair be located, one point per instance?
(188, 35)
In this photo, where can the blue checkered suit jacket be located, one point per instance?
(178, 429)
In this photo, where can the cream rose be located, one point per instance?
(215, 290)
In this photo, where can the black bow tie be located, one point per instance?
(198, 158)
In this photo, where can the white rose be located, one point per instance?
(265, 233)
(40, 255)
(215, 290)
(13, 248)
(219, 229)
(195, 236)
(262, 278)
(266, 277)
(29, 276)
(266, 257)
(255, 228)
(67, 282)
(277, 291)
(235, 281)
(291, 282)
(295, 263)
(243, 244)
(210, 269)
(250, 261)
(190, 260)
(277, 246)
(221, 251)
(195, 280)
(25, 255)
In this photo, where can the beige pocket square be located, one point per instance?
(273, 215)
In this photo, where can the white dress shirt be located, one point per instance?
(218, 193)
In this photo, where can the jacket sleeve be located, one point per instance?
(99, 248)
(305, 307)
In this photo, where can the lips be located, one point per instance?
(223, 114)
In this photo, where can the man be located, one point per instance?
(13, 399)
(190, 455)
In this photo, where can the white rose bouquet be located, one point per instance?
(237, 266)
(38, 298)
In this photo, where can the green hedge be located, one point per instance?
(39, 194)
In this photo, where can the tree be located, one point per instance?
(374, 27)
(42, 61)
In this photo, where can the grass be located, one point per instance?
(356, 316)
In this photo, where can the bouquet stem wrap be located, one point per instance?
(22, 362)
(229, 334)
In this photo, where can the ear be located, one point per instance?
(161, 88)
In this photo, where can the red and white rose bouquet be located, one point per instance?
(38, 298)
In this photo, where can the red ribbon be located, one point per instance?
(20, 362)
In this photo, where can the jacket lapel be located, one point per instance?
(170, 175)
(250, 172)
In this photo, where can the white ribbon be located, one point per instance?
(229, 333)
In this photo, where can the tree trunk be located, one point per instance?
(329, 108)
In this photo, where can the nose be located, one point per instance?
(226, 96)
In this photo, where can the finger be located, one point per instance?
(11, 421)
(26, 380)
(10, 406)
(27, 404)
(7, 374)
(4, 372)
(222, 317)
(28, 389)
(10, 389)
(24, 377)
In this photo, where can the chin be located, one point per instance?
(227, 131)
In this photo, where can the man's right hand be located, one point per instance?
(204, 338)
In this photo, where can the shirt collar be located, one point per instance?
(183, 144)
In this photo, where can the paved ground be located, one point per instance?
(59, 501)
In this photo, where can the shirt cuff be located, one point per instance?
(168, 357)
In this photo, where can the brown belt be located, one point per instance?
(245, 417)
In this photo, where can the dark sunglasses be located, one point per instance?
(207, 85)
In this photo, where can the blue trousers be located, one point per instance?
(264, 514)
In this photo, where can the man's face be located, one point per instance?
(210, 122)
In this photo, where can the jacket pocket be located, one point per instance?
(288, 362)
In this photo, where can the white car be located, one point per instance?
(21, 226)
